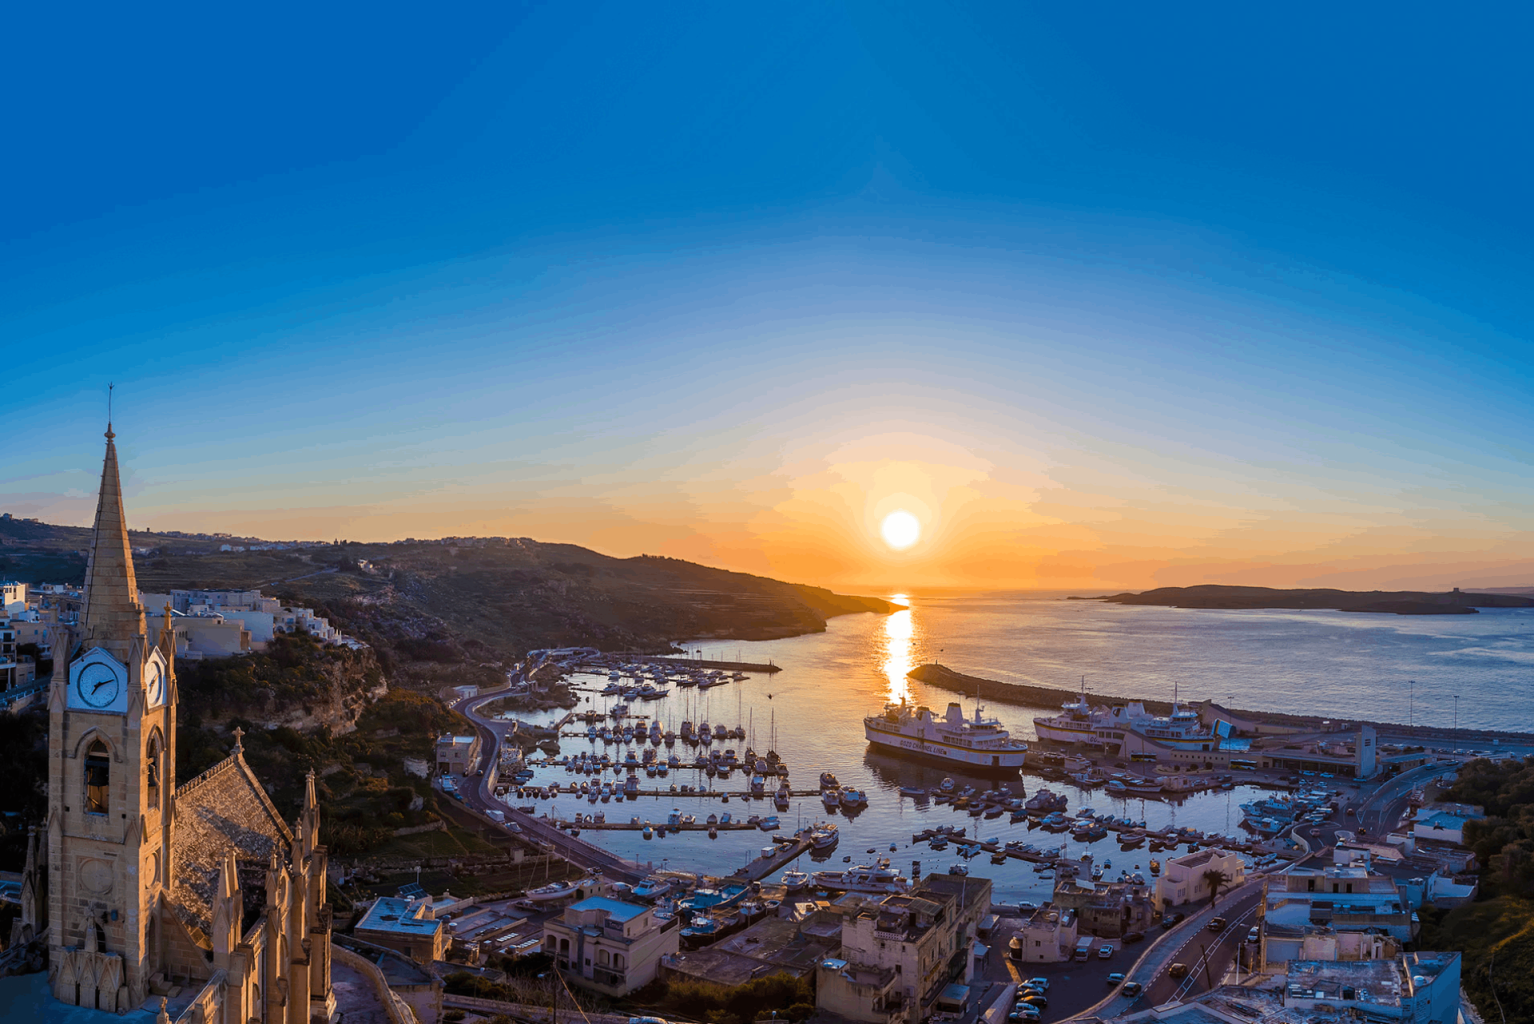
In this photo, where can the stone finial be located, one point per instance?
(228, 883)
(164, 1015)
(239, 748)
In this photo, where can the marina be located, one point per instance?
(706, 813)
(1060, 814)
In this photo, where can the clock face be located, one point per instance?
(154, 683)
(98, 685)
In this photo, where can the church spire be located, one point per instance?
(113, 617)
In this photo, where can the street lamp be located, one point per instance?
(1412, 704)
(1456, 711)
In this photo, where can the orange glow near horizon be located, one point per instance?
(861, 506)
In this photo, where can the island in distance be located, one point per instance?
(1401, 602)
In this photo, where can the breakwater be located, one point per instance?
(1022, 694)
(1048, 697)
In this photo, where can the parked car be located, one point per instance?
(1132, 989)
(1130, 938)
(1116, 978)
(1104, 952)
(1217, 924)
(1176, 917)
(1253, 933)
(1042, 984)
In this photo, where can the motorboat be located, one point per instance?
(653, 887)
(555, 890)
(863, 878)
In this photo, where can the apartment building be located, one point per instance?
(610, 946)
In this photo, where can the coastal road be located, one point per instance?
(1208, 955)
(1378, 813)
(492, 733)
(1383, 810)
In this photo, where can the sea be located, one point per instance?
(1474, 671)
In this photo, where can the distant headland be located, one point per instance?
(1400, 602)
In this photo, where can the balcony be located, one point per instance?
(609, 977)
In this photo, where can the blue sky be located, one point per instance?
(1116, 295)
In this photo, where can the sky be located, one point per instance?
(1106, 296)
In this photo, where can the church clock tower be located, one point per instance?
(111, 781)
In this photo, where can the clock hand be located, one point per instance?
(101, 684)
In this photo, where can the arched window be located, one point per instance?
(152, 771)
(98, 771)
(603, 957)
(617, 961)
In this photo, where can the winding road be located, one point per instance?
(492, 734)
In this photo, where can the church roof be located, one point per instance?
(112, 617)
(224, 808)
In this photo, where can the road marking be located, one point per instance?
(1193, 970)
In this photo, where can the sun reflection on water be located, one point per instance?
(899, 650)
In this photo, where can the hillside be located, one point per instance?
(1402, 602)
(473, 599)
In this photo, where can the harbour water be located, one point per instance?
(1313, 662)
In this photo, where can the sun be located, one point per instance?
(900, 529)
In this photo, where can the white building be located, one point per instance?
(13, 598)
(900, 955)
(1047, 936)
(1185, 879)
(1344, 898)
(1442, 827)
(609, 946)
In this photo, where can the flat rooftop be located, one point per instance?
(615, 908)
(1370, 981)
(398, 917)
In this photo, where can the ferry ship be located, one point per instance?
(978, 745)
(1081, 723)
(1181, 730)
(1074, 725)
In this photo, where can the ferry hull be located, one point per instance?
(1055, 734)
(972, 762)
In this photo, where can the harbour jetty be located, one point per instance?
(788, 849)
(1021, 694)
(1029, 695)
(732, 666)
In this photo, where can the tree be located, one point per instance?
(1216, 880)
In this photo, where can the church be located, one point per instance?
(200, 900)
